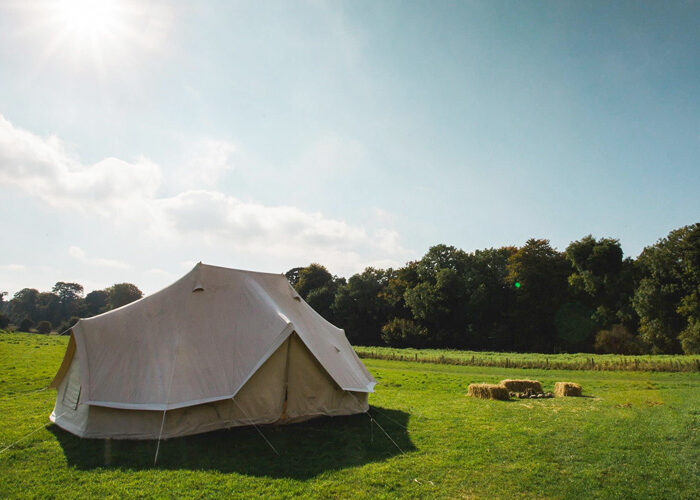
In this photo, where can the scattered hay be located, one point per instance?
(488, 391)
(567, 389)
(529, 393)
(522, 385)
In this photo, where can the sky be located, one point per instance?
(138, 138)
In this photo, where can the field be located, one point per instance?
(633, 435)
(578, 361)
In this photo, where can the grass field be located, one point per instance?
(634, 435)
(578, 361)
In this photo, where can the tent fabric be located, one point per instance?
(218, 348)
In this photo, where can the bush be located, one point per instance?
(401, 332)
(44, 327)
(617, 340)
(690, 338)
(4, 321)
(25, 325)
(67, 324)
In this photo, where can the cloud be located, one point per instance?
(12, 267)
(79, 254)
(206, 161)
(45, 169)
(126, 194)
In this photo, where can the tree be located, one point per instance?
(95, 302)
(394, 291)
(668, 296)
(23, 304)
(4, 321)
(121, 294)
(603, 280)
(690, 337)
(460, 297)
(437, 300)
(539, 276)
(293, 275)
(312, 277)
(44, 327)
(48, 308)
(69, 298)
(361, 308)
(489, 297)
(318, 287)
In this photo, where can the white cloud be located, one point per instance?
(206, 161)
(45, 169)
(79, 254)
(126, 194)
(12, 267)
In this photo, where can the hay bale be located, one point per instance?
(566, 389)
(488, 391)
(522, 385)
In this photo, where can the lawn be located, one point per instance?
(634, 435)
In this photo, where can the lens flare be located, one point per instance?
(87, 18)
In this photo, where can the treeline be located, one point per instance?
(528, 299)
(61, 308)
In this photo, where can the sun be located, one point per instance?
(87, 31)
(103, 35)
(88, 18)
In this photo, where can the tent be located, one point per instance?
(218, 348)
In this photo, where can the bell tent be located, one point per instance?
(218, 348)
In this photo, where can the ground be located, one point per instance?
(633, 435)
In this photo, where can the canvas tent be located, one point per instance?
(218, 348)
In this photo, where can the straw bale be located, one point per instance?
(567, 389)
(522, 385)
(488, 391)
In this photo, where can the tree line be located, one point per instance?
(527, 299)
(61, 308)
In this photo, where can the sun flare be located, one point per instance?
(85, 18)
(107, 35)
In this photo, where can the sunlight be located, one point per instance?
(87, 17)
(105, 35)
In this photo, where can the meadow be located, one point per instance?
(576, 361)
(634, 434)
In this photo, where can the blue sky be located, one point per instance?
(137, 139)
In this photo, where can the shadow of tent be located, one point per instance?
(305, 449)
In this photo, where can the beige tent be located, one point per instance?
(218, 348)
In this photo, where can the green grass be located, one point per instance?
(578, 361)
(635, 435)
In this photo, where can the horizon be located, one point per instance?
(193, 264)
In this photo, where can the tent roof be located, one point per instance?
(201, 339)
